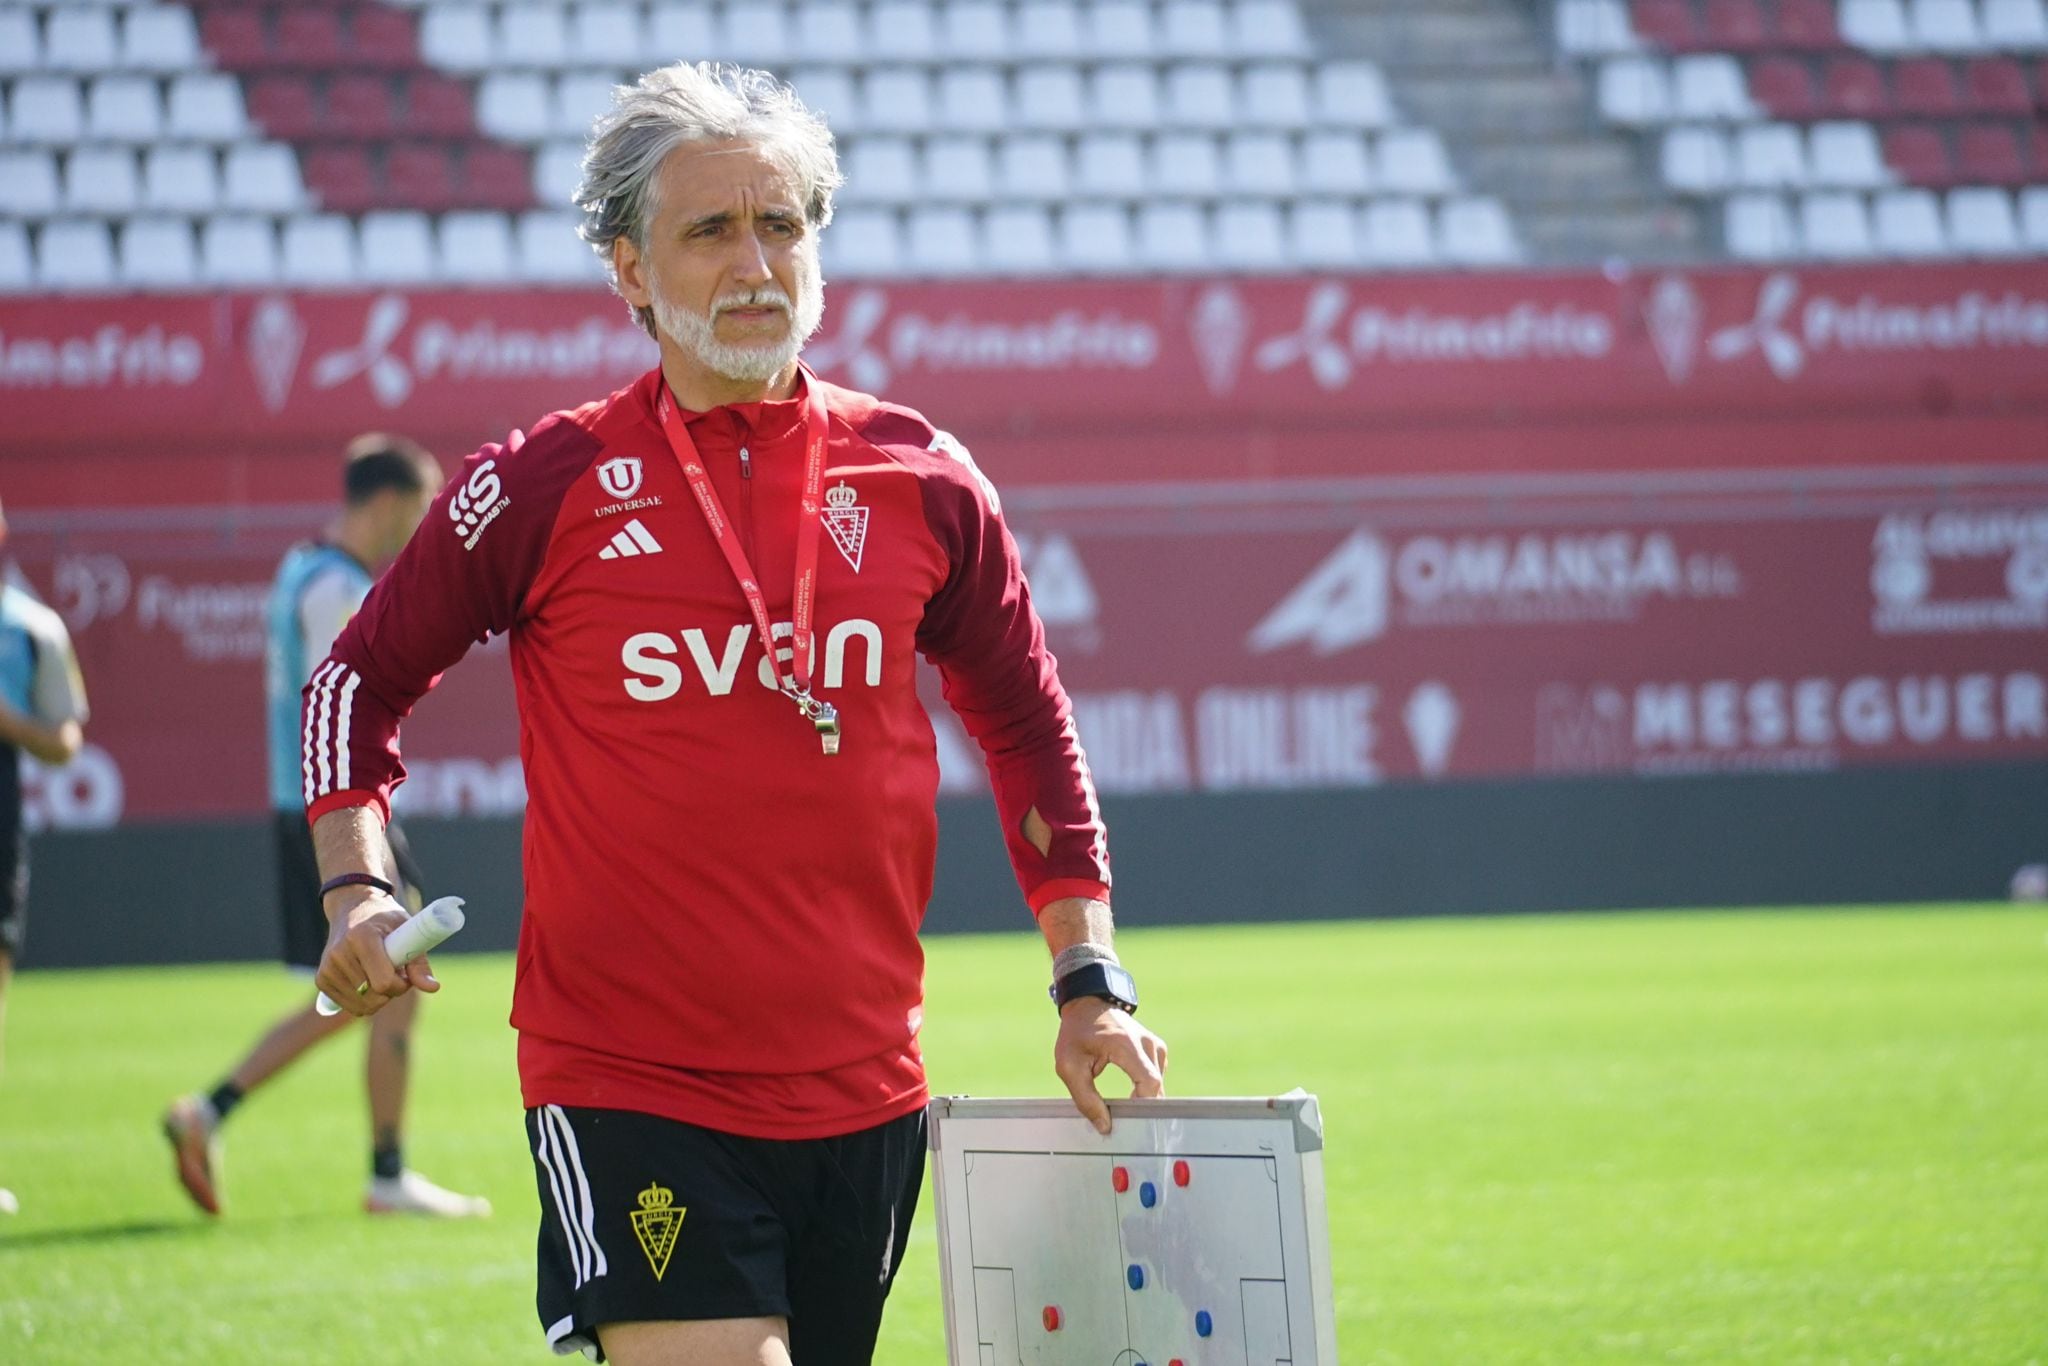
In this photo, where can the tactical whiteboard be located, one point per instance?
(1194, 1235)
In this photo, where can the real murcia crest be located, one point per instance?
(620, 477)
(847, 522)
(656, 1224)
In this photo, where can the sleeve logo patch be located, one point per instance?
(477, 503)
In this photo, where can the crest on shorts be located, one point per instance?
(656, 1224)
(847, 523)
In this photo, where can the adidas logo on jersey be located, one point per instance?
(630, 540)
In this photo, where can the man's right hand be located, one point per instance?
(355, 955)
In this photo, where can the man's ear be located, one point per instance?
(627, 263)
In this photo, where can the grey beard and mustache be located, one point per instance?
(692, 331)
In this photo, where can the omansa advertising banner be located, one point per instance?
(1299, 643)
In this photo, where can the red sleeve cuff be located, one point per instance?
(1060, 888)
(350, 796)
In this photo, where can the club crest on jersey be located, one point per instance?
(621, 476)
(656, 1224)
(847, 522)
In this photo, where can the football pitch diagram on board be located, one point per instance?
(1194, 1235)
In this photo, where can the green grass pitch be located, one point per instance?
(1764, 1136)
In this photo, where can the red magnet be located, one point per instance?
(1181, 1175)
(1051, 1316)
(1121, 1179)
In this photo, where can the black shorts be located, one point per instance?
(644, 1218)
(13, 879)
(298, 886)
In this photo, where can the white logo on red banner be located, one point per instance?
(276, 336)
(390, 380)
(1992, 561)
(1432, 716)
(1673, 314)
(1765, 331)
(1219, 328)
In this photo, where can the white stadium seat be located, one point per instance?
(2034, 217)
(1200, 96)
(1185, 164)
(207, 108)
(516, 105)
(1118, 28)
(1635, 90)
(1907, 223)
(320, 251)
(1768, 155)
(1696, 159)
(75, 255)
(1173, 237)
(396, 248)
(1413, 161)
(1124, 96)
(1944, 25)
(1267, 28)
(101, 180)
(1835, 226)
(17, 262)
(1397, 233)
(881, 170)
(1352, 95)
(973, 99)
(21, 49)
(1477, 232)
(1323, 234)
(1110, 166)
(263, 176)
(2016, 25)
(28, 183)
(1017, 240)
(904, 30)
(557, 170)
(1259, 164)
(862, 243)
(1846, 153)
(157, 253)
(123, 109)
(79, 38)
(186, 179)
(238, 251)
(940, 241)
(1879, 25)
(1250, 237)
(581, 98)
(897, 99)
(829, 94)
(1095, 239)
(456, 37)
(476, 248)
(607, 35)
(1710, 87)
(160, 38)
(680, 31)
(976, 30)
(1047, 28)
(1032, 167)
(550, 252)
(1758, 228)
(757, 34)
(958, 170)
(1049, 97)
(1274, 95)
(829, 31)
(47, 109)
(1592, 28)
(1981, 223)
(1335, 163)
(1193, 28)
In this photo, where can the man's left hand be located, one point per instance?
(1095, 1035)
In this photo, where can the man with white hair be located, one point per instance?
(715, 582)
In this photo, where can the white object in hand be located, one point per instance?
(420, 934)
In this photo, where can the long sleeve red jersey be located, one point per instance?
(721, 921)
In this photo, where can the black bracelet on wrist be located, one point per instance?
(336, 883)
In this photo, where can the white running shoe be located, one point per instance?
(8, 1204)
(411, 1193)
(194, 1133)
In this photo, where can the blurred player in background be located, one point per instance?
(720, 985)
(388, 483)
(42, 712)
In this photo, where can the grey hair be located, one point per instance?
(694, 102)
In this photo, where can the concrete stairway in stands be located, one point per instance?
(1528, 132)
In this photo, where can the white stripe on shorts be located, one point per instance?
(543, 1152)
(581, 1196)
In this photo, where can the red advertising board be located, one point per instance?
(1232, 637)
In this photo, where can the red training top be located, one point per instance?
(721, 921)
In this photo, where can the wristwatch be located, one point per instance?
(1105, 980)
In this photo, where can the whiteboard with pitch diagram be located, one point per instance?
(1193, 1235)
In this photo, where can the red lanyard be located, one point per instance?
(823, 716)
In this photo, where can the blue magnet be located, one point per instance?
(1148, 1195)
(1204, 1325)
(1136, 1276)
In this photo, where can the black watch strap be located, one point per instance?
(1107, 981)
(336, 883)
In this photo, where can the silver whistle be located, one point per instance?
(826, 719)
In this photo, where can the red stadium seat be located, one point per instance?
(361, 107)
(1666, 23)
(1736, 26)
(310, 37)
(439, 107)
(495, 176)
(1784, 86)
(1808, 26)
(417, 176)
(236, 39)
(1989, 154)
(1926, 88)
(285, 106)
(1853, 87)
(1919, 155)
(340, 177)
(1997, 85)
(384, 39)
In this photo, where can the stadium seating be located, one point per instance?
(1835, 104)
(348, 142)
